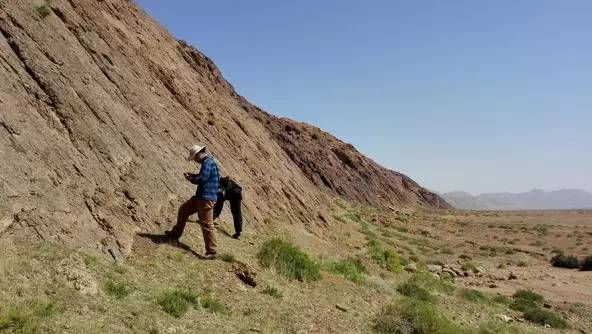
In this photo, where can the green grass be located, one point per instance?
(473, 296)
(386, 258)
(351, 268)
(544, 317)
(117, 290)
(430, 283)
(213, 305)
(415, 291)
(529, 295)
(288, 261)
(501, 299)
(43, 10)
(227, 257)
(27, 317)
(413, 316)
(469, 266)
(177, 302)
(274, 292)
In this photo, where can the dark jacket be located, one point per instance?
(229, 188)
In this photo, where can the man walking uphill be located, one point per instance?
(203, 202)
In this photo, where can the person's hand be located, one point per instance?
(188, 176)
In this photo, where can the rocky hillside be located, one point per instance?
(98, 105)
(339, 168)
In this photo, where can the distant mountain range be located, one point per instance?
(533, 200)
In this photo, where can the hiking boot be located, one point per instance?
(236, 236)
(210, 256)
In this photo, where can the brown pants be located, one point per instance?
(205, 212)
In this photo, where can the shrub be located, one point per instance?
(587, 264)
(522, 263)
(413, 316)
(565, 261)
(529, 295)
(413, 290)
(43, 10)
(469, 266)
(274, 292)
(213, 305)
(523, 305)
(384, 257)
(473, 295)
(117, 290)
(544, 317)
(288, 261)
(525, 300)
(389, 321)
(176, 302)
(352, 269)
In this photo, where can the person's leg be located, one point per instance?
(185, 210)
(219, 205)
(237, 216)
(206, 220)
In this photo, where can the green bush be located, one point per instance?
(352, 269)
(523, 305)
(390, 321)
(544, 317)
(469, 266)
(413, 316)
(117, 290)
(473, 295)
(529, 295)
(413, 290)
(176, 302)
(565, 261)
(385, 257)
(274, 292)
(43, 10)
(288, 261)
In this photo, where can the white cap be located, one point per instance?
(194, 150)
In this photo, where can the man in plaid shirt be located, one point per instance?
(208, 182)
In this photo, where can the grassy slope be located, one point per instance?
(50, 288)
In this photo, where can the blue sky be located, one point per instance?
(474, 95)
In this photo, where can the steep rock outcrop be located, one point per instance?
(339, 168)
(98, 105)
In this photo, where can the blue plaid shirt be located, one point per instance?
(208, 180)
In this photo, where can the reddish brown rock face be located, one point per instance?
(98, 106)
(339, 169)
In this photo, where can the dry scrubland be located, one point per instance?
(369, 271)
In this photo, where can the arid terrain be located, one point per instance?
(56, 289)
(98, 106)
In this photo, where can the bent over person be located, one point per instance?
(232, 192)
(202, 202)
